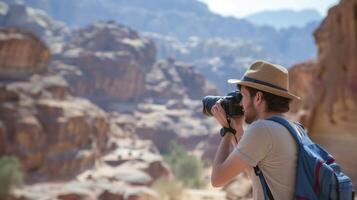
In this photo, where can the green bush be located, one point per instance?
(10, 174)
(185, 167)
(168, 190)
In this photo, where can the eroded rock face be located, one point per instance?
(112, 37)
(103, 77)
(21, 53)
(54, 134)
(125, 173)
(109, 63)
(169, 79)
(301, 77)
(331, 100)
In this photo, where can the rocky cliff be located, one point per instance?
(54, 133)
(329, 89)
(59, 137)
(219, 47)
(21, 53)
(115, 67)
(107, 62)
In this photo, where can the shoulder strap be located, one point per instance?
(267, 193)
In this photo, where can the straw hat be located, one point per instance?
(267, 77)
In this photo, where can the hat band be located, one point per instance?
(263, 83)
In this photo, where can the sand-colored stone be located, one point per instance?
(21, 53)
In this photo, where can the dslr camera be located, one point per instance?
(230, 104)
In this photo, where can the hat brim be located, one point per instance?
(265, 88)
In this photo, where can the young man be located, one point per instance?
(264, 143)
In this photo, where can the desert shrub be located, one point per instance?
(185, 167)
(10, 175)
(168, 190)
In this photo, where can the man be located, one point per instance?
(264, 143)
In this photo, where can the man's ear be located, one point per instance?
(258, 98)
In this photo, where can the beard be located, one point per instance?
(250, 114)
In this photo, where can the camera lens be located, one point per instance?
(208, 102)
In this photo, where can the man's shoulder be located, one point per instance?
(264, 125)
(259, 126)
(260, 123)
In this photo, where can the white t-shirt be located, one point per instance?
(270, 146)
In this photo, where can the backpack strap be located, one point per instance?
(267, 193)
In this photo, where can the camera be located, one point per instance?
(230, 104)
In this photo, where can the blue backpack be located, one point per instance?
(318, 176)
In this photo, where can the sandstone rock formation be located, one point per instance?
(126, 173)
(54, 134)
(301, 77)
(109, 60)
(14, 14)
(107, 63)
(21, 54)
(116, 68)
(161, 101)
(57, 136)
(183, 19)
(109, 37)
(330, 90)
(169, 79)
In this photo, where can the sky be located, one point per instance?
(241, 8)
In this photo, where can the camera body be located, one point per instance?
(230, 104)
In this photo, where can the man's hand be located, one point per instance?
(220, 115)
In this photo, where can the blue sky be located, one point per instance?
(240, 8)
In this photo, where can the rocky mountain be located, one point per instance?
(115, 67)
(284, 18)
(182, 19)
(95, 154)
(112, 62)
(329, 85)
(220, 59)
(217, 56)
(179, 18)
(106, 62)
(59, 137)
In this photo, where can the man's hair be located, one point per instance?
(274, 103)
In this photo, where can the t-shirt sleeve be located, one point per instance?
(255, 143)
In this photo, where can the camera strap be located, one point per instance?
(232, 130)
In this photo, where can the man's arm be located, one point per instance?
(226, 165)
